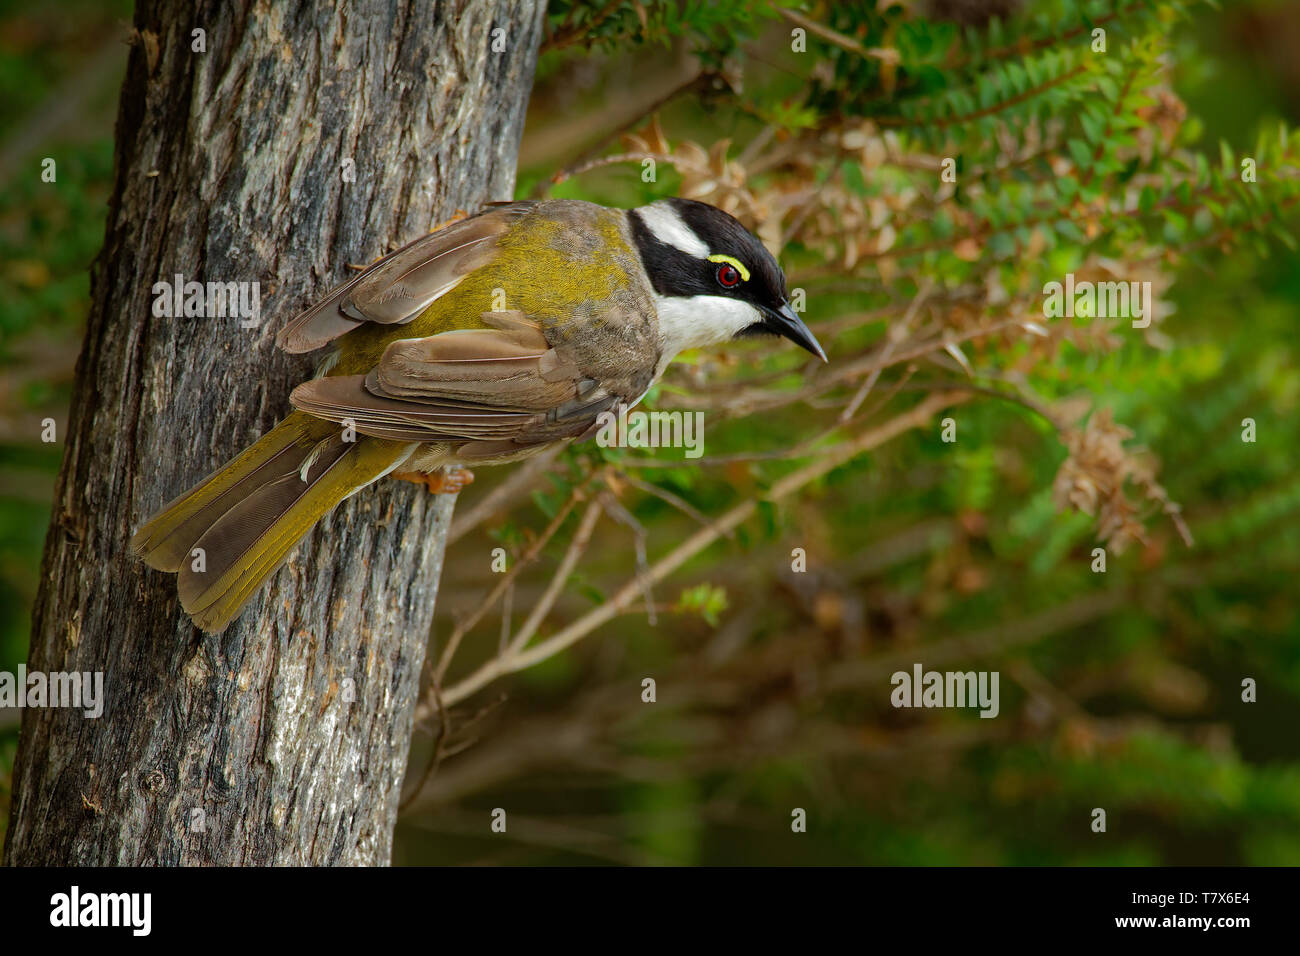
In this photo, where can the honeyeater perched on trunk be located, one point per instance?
(483, 342)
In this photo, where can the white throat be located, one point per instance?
(698, 322)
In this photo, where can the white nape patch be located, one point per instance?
(666, 226)
(699, 321)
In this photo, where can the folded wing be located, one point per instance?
(492, 391)
(403, 284)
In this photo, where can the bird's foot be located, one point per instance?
(444, 481)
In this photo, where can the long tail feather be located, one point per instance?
(233, 530)
(166, 539)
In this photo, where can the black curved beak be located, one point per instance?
(786, 322)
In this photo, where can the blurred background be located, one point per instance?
(1120, 690)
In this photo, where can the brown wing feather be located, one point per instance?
(485, 389)
(401, 285)
(346, 397)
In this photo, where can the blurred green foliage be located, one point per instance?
(60, 69)
(1132, 701)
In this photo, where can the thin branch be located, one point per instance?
(885, 55)
(568, 34)
(439, 742)
(752, 400)
(463, 627)
(895, 122)
(587, 159)
(786, 486)
(518, 483)
(615, 509)
(892, 338)
(581, 538)
(984, 643)
(681, 504)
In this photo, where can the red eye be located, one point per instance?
(728, 277)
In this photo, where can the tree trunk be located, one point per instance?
(307, 136)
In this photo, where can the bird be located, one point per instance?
(483, 342)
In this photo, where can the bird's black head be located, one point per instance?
(696, 253)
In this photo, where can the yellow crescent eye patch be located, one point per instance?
(740, 266)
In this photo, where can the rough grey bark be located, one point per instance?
(231, 167)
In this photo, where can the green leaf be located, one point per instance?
(1082, 155)
(854, 181)
(1093, 128)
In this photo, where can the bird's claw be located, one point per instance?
(444, 481)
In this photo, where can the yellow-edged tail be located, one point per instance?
(224, 537)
